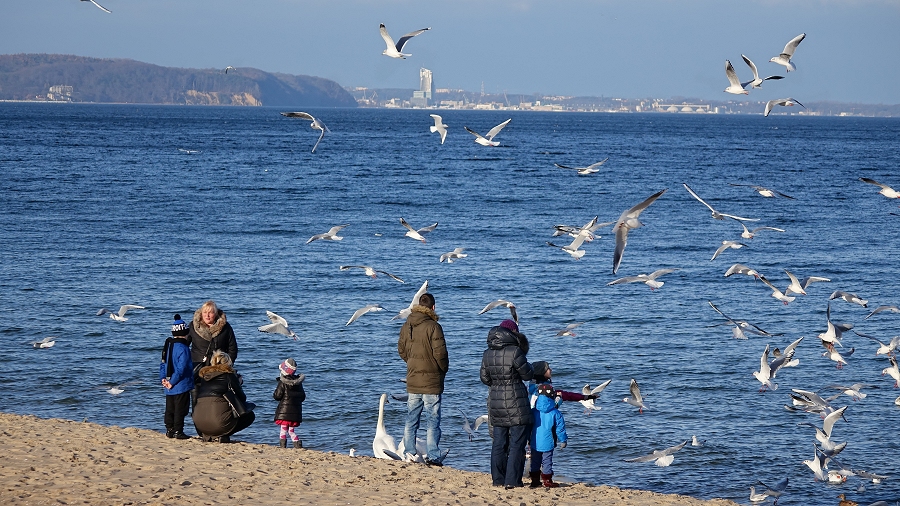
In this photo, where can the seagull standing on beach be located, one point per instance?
(331, 235)
(629, 221)
(120, 316)
(788, 102)
(439, 127)
(396, 50)
(278, 326)
(315, 125)
(734, 87)
(785, 57)
(584, 171)
(886, 190)
(488, 139)
(102, 8)
(416, 234)
(756, 82)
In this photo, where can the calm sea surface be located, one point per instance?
(101, 205)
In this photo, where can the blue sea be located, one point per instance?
(167, 207)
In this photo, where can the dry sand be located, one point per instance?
(53, 461)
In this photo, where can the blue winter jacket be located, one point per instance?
(178, 355)
(549, 426)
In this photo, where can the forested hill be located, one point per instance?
(30, 77)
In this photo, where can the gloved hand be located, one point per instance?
(561, 445)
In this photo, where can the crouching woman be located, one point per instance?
(218, 387)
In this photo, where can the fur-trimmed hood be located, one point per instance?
(426, 311)
(211, 371)
(208, 332)
(292, 379)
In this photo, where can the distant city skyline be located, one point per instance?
(654, 48)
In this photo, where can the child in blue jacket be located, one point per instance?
(176, 373)
(549, 430)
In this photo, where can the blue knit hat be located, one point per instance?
(179, 328)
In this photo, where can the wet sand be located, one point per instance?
(53, 461)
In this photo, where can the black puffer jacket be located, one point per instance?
(206, 339)
(290, 396)
(504, 368)
(212, 413)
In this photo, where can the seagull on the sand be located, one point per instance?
(716, 214)
(592, 394)
(765, 192)
(372, 273)
(635, 399)
(396, 50)
(742, 269)
(468, 427)
(456, 254)
(778, 294)
(120, 316)
(893, 371)
(315, 125)
(331, 235)
(278, 326)
(584, 171)
(662, 458)
(488, 139)
(785, 57)
(363, 310)
(849, 297)
(756, 82)
(648, 279)
(102, 8)
(799, 287)
(886, 190)
(750, 234)
(734, 87)
(413, 233)
(727, 245)
(504, 303)
(568, 330)
(439, 127)
(891, 308)
(629, 221)
(572, 247)
(405, 312)
(46, 342)
(788, 102)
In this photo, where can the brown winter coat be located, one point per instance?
(422, 347)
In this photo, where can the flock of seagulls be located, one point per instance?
(736, 87)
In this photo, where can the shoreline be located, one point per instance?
(66, 462)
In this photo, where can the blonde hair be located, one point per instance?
(219, 357)
(210, 304)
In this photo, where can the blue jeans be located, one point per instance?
(432, 406)
(542, 460)
(508, 454)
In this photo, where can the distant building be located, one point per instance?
(426, 89)
(60, 93)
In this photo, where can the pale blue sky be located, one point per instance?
(626, 48)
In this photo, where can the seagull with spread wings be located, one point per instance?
(278, 326)
(315, 125)
(629, 221)
(785, 57)
(716, 214)
(488, 139)
(584, 171)
(396, 50)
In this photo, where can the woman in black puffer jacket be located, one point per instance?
(504, 368)
(213, 416)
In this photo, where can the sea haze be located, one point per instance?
(104, 205)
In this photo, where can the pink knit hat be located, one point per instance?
(288, 367)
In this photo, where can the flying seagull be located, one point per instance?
(488, 140)
(635, 399)
(405, 312)
(750, 234)
(648, 279)
(278, 326)
(756, 82)
(102, 8)
(505, 303)
(396, 50)
(765, 192)
(785, 57)
(662, 458)
(120, 316)
(363, 310)
(331, 235)
(886, 190)
(315, 125)
(439, 127)
(372, 273)
(628, 221)
(781, 101)
(727, 245)
(416, 234)
(572, 247)
(735, 87)
(228, 68)
(583, 171)
(457, 253)
(716, 214)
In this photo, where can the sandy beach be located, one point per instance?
(53, 461)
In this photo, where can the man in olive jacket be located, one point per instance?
(422, 347)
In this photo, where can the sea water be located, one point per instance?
(167, 207)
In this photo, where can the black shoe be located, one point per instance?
(179, 435)
(170, 433)
(436, 463)
(225, 439)
(510, 487)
